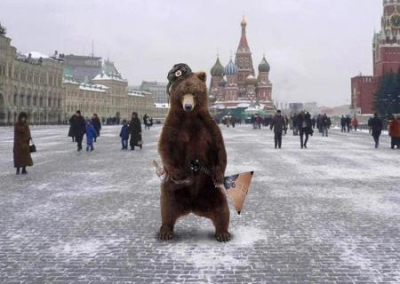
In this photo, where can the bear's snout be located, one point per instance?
(188, 102)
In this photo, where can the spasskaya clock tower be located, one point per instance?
(386, 58)
(386, 43)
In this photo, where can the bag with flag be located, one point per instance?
(237, 187)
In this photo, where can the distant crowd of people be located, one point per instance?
(347, 124)
(302, 124)
(92, 127)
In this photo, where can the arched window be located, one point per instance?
(35, 97)
(22, 97)
(41, 100)
(15, 96)
(29, 97)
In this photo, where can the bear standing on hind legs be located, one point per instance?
(189, 134)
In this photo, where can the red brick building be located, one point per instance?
(385, 56)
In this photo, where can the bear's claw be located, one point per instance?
(223, 237)
(165, 234)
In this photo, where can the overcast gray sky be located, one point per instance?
(313, 46)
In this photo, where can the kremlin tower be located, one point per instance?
(236, 88)
(386, 58)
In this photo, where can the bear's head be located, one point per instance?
(189, 94)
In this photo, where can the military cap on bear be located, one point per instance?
(177, 73)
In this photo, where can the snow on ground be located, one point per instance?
(326, 214)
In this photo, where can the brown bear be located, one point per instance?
(190, 133)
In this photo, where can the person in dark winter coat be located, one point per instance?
(343, 123)
(22, 136)
(79, 129)
(278, 124)
(97, 125)
(90, 135)
(348, 123)
(148, 121)
(294, 125)
(319, 123)
(124, 134)
(286, 124)
(304, 125)
(376, 127)
(71, 130)
(369, 125)
(325, 124)
(394, 132)
(135, 130)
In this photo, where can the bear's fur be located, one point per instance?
(187, 136)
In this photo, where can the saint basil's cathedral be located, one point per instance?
(234, 88)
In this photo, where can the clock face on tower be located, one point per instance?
(395, 21)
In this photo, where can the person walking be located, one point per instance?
(348, 123)
(286, 124)
(394, 132)
(278, 124)
(325, 124)
(259, 121)
(146, 121)
(71, 131)
(79, 128)
(135, 130)
(124, 134)
(90, 135)
(295, 125)
(97, 126)
(304, 125)
(343, 123)
(313, 122)
(354, 123)
(319, 123)
(22, 137)
(376, 127)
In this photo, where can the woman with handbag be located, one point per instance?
(22, 150)
(135, 130)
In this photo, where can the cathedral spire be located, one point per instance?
(243, 45)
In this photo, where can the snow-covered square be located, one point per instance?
(326, 214)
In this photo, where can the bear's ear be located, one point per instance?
(202, 76)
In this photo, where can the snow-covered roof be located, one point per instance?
(93, 88)
(102, 76)
(69, 81)
(136, 94)
(37, 55)
(160, 105)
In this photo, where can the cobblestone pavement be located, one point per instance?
(327, 214)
